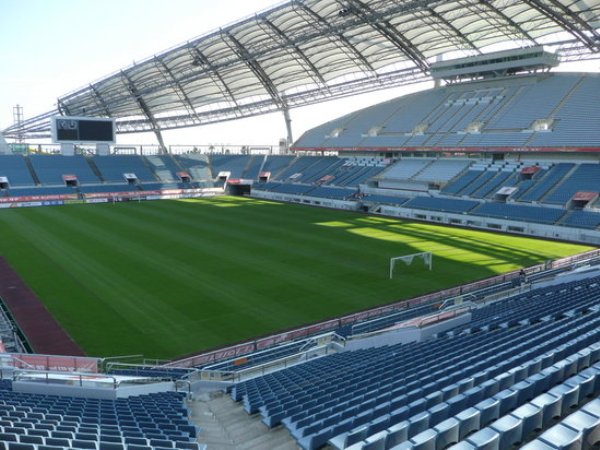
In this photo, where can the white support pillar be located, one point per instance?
(102, 149)
(67, 149)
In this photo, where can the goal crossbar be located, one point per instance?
(408, 259)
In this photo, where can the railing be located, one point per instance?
(110, 361)
(252, 346)
(61, 378)
(586, 257)
(441, 317)
(85, 379)
(18, 335)
(146, 150)
(262, 369)
(419, 322)
(51, 362)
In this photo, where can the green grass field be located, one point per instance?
(170, 278)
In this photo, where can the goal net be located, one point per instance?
(426, 257)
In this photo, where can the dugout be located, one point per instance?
(238, 187)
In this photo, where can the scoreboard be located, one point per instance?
(83, 130)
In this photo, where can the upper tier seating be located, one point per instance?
(405, 169)
(198, 166)
(275, 164)
(114, 167)
(326, 170)
(586, 177)
(442, 170)
(15, 169)
(487, 113)
(541, 187)
(460, 183)
(309, 169)
(165, 167)
(51, 168)
(252, 169)
(353, 175)
(575, 122)
(235, 164)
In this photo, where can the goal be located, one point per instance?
(427, 258)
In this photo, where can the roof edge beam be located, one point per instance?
(514, 25)
(455, 30)
(386, 29)
(365, 62)
(569, 25)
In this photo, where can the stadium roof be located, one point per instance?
(305, 51)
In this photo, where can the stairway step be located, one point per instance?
(225, 426)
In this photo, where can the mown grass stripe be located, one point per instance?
(174, 277)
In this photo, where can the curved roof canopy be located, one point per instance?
(305, 51)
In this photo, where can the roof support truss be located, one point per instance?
(145, 109)
(455, 30)
(314, 71)
(179, 89)
(213, 73)
(100, 100)
(321, 49)
(520, 32)
(255, 67)
(389, 31)
(570, 21)
(62, 108)
(346, 43)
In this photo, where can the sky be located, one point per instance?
(49, 48)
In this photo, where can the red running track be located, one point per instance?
(43, 332)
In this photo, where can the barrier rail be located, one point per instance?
(70, 378)
(262, 369)
(50, 362)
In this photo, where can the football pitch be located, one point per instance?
(169, 278)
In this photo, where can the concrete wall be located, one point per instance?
(86, 391)
(405, 335)
(4, 149)
(307, 200)
(488, 223)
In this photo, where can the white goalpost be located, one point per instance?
(427, 258)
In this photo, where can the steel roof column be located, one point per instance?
(146, 110)
(288, 125)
